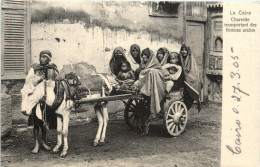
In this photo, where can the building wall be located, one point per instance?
(86, 33)
(214, 57)
(89, 31)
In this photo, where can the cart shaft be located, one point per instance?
(107, 98)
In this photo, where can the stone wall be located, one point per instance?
(6, 115)
(215, 89)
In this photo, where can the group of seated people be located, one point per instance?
(127, 68)
(156, 75)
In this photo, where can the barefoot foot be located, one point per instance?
(95, 144)
(35, 150)
(55, 149)
(46, 147)
(64, 153)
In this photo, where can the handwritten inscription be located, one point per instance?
(237, 96)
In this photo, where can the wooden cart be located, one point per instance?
(174, 111)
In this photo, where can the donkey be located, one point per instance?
(37, 89)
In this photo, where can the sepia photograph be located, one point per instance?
(111, 83)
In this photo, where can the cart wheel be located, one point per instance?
(175, 118)
(133, 110)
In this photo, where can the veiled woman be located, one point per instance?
(116, 60)
(151, 84)
(192, 81)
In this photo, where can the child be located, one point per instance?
(126, 76)
(173, 70)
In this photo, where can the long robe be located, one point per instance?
(50, 72)
(192, 82)
(151, 83)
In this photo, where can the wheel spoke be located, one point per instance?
(181, 111)
(131, 116)
(172, 111)
(179, 127)
(171, 125)
(173, 128)
(179, 107)
(169, 120)
(131, 110)
(175, 109)
(170, 115)
(132, 106)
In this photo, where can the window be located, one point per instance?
(218, 25)
(218, 44)
(163, 9)
(15, 39)
(196, 9)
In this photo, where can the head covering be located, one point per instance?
(152, 60)
(185, 61)
(46, 53)
(183, 46)
(165, 53)
(135, 47)
(146, 51)
(116, 61)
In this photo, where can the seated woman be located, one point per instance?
(173, 71)
(162, 56)
(126, 76)
(134, 59)
(122, 73)
(116, 60)
(192, 81)
(151, 84)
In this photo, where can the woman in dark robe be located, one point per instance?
(192, 81)
(151, 85)
(162, 56)
(118, 57)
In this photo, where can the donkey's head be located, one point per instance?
(33, 92)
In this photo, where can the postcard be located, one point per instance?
(130, 83)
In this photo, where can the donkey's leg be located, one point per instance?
(59, 134)
(100, 125)
(66, 119)
(36, 139)
(105, 121)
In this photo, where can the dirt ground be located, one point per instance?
(198, 145)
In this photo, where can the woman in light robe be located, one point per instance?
(192, 81)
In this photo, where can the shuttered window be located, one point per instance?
(196, 11)
(15, 39)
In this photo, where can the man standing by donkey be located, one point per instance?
(47, 118)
